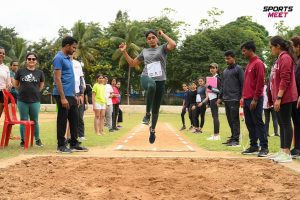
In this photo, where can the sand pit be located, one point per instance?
(64, 177)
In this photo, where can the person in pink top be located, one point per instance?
(115, 101)
(284, 93)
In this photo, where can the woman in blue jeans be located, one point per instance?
(29, 81)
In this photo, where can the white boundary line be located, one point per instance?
(180, 138)
(136, 130)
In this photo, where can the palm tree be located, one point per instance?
(131, 36)
(18, 50)
(86, 35)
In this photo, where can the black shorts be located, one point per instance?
(1, 97)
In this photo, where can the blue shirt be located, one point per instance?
(63, 63)
(186, 98)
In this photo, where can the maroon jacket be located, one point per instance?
(297, 74)
(254, 79)
(283, 78)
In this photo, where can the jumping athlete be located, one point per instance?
(153, 77)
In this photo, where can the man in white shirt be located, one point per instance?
(79, 90)
(109, 105)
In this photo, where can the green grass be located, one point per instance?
(200, 139)
(48, 135)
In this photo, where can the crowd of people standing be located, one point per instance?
(276, 94)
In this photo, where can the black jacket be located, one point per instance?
(232, 83)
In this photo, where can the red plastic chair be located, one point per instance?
(11, 119)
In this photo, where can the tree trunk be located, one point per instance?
(128, 85)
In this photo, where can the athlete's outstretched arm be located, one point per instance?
(131, 62)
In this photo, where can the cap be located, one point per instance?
(215, 65)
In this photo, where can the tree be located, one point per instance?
(18, 50)
(282, 29)
(7, 38)
(133, 50)
(212, 22)
(46, 50)
(87, 36)
(207, 46)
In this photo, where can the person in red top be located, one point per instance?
(115, 101)
(284, 93)
(252, 96)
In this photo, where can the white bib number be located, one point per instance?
(198, 98)
(154, 69)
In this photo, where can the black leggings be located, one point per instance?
(215, 115)
(296, 122)
(268, 112)
(115, 115)
(154, 91)
(191, 114)
(199, 111)
(285, 124)
(183, 111)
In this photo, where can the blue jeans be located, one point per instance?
(255, 124)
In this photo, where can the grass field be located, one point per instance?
(48, 134)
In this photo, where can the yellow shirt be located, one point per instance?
(99, 90)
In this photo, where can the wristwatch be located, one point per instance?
(278, 98)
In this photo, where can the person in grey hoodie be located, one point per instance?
(230, 94)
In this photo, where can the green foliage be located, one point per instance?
(208, 45)
(212, 22)
(98, 47)
(49, 139)
(46, 50)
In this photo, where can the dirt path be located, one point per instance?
(131, 168)
(169, 143)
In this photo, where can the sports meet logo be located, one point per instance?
(278, 11)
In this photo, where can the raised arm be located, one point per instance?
(131, 62)
(171, 43)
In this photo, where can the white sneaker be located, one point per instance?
(274, 156)
(214, 137)
(283, 158)
(82, 139)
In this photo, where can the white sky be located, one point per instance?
(36, 19)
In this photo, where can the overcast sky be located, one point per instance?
(36, 19)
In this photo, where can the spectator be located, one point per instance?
(284, 93)
(64, 92)
(253, 101)
(231, 94)
(79, 90)
(14, 65)
(295, 152)
(30, 81)
(115, 101)
(201, 99)
(109, 105)
(120, 114)
(213, 98)
(184, 105)
(5, 82)
(269, 110)
(192, 103)
(99, 103)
